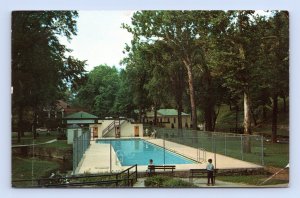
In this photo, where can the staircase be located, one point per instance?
(116, 125)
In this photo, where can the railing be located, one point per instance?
(108, 129)
(113, 125)
(126, 178)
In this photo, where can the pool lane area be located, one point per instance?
(138, 151)
(97, 158)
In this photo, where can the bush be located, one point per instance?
(159, 181)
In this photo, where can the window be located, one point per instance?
(174, 120)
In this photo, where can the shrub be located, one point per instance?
(166, 182)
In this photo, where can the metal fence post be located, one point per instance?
(136, 176)
(110, 163)
(164, 150)
(242, 147)
(215, 150)
(225, 145)
(262, 150)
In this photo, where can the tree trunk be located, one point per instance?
(208, 119)
(247, 114)
(155, 116)
(140, 114)
(284, 103)
(247, 123)
(264, 113)
(209, 105)
(20, 123)
(179, 115)
(34, 125)
(178, 93)
(236, 117)
(253, 116)
(274, 118)
(216, 114)
(192, 94)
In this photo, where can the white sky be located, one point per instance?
(100, 38)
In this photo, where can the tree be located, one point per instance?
(123, 103)
(174, 28)
(275, 61)
(100, 91)
(138, 76)
(40, 69)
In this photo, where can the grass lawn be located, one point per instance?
(251, 180)
(31, 168)
(59, 144)
(276, 155)
(28, 138)
(42, 138)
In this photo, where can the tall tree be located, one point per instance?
(100, 91)
(274, 59)
(174, 28)
(40, 69)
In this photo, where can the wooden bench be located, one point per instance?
(201, 173)
(152, 168)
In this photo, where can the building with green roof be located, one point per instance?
(168, 118)
(79, 122)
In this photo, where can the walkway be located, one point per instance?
(97, 159)
(222, 161)
(27, 145)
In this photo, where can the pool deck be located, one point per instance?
(97, 158)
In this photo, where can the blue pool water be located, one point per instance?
(137, 151)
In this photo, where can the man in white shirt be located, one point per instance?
(210, 172)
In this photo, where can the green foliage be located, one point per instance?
(159, 181)
(100, 91)
(40, 70)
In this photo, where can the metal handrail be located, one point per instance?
(107, 129)
(109, 181)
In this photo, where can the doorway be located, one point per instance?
(136, 131)
(95, 132)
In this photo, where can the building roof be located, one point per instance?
(170, 112)
(81, 115)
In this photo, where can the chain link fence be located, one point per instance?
(80, 145)
(244, 147)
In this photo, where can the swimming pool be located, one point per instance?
(137, 151)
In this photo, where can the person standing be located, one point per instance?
(210, 172)
(150, 169)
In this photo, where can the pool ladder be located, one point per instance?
(201, 155)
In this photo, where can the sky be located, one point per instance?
(100, 38)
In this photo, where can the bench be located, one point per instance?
(152, 168)
(200, 173)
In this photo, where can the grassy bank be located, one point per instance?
(28, 167)
(31, 168)
(251, 180)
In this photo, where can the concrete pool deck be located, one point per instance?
(97, 159)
